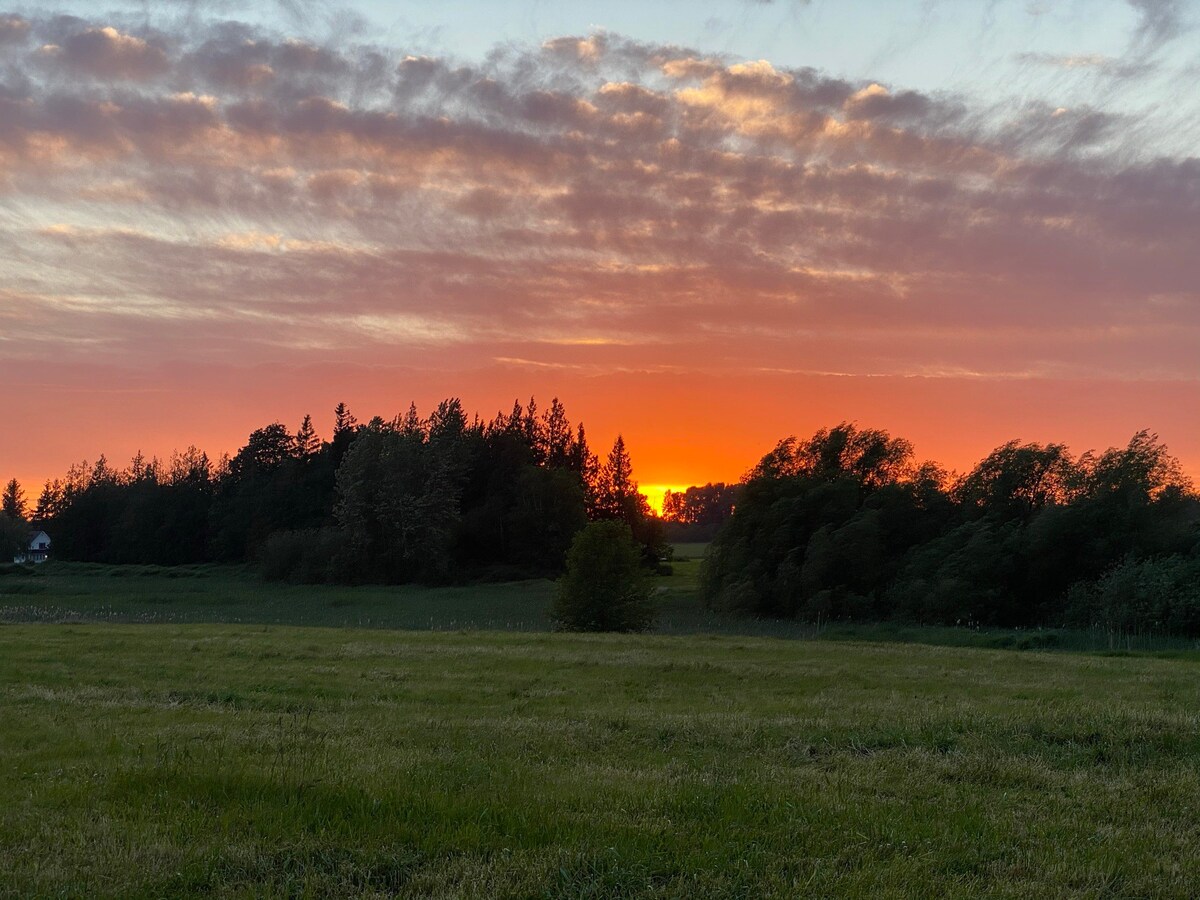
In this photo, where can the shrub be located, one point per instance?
(604, 588)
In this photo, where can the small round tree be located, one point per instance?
(604, 588)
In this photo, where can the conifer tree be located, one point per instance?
(412, 425)
(343, 420)
(531, 430)
(307, 442)
(50, 502)
(556, 430)
(616, 492)
(12, 503)
(344, 425)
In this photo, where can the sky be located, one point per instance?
(705, 226)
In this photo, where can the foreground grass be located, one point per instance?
(174, 760)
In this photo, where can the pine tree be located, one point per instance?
(531, 430)
(12, 504)
(103, 473)
(137, 468)
(556, 430)
(615, 486)
(514, 423)
(343, 420)
(307, 442)
(582, 460)
(51, 501)
(412, 425)
(344, 425)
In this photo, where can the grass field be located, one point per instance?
(173, 760)
(80, 593)
(171, 733)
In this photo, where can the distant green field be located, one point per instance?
(80, 593)
(231, 760)
(57, 592)
(689, 551)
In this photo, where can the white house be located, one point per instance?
(39, 549)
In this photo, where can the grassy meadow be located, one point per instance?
(165, 735)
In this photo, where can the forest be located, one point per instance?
(846, 525)
(410, 499)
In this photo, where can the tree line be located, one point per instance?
(847, 525)
(413, 498)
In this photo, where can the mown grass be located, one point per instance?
(260, 761)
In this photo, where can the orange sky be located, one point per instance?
(681, 429)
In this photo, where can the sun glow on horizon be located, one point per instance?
(656, 493)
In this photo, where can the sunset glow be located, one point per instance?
(702, 236)
(654, 493)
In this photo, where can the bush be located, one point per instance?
(604, 588)
(1155, 595)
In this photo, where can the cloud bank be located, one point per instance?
(228, 193)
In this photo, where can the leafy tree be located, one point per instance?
(870, 456)
(1160, 595)
(12, 501)
(1017, 480)
(710, 504)
(604, 588)
(821, 527)
(266, 450)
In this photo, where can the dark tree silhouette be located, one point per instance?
(12, 501)
(307, 443)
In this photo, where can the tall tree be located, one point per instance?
(51, 501)
(557, 434)
(531, 430)
(307, 442)
(411, 424)
(616, 495)
(12, 503)
(344, 425)
(397, 503)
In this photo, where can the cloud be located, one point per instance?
(1090, 63)
(1159, 22)
(103, 52)
(13, 29)
(228, 190)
